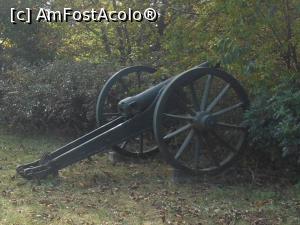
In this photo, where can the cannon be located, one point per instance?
(194, 119)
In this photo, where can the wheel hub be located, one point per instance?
(204, 120)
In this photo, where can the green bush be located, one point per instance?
(274, 120)
(58, 95)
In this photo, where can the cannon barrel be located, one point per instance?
(149, 109)
(138, 103)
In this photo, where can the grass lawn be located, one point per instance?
(97, 192)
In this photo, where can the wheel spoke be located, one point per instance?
(119, 86)
(206, 92)
(194, 97)
(230, 126)
(227, 109)
(178, 131)
(183, 117)
(124, 144)
(218, 98)
(185, 144)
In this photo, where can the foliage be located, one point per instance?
(33, 43)
(56, 95)
(274, 120)
(248, 37)
(257, 41)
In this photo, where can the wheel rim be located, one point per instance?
(203, 130)
(125, 83)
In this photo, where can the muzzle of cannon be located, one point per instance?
(195, 119)
(138, 103)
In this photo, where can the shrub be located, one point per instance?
(57, 95)
(274, 120)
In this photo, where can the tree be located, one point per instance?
(32, 43)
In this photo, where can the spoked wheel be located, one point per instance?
(198, 121)
(126, 83)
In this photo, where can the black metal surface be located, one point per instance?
(138, 103)
(200, 120)
(114, 79)
(73, 144)
(95, 142)
(116, 135)
(190, 134)
(127, 82)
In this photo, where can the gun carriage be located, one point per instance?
(194, 119)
